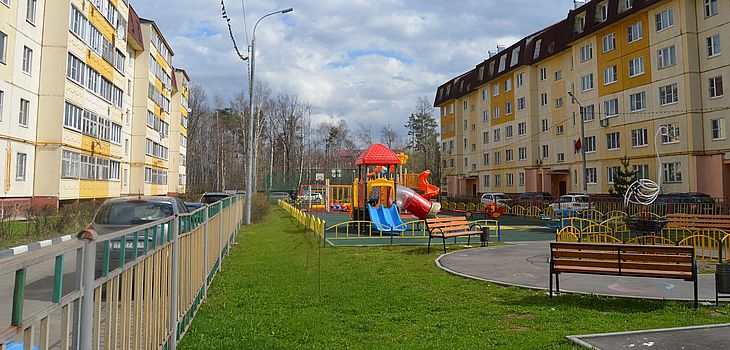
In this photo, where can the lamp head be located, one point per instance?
(287, 10)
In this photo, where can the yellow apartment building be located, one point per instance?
(635, 67)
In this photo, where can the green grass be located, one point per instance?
(275, 293)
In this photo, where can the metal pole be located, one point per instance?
(175, 282)
(87, 299)
(582, 141)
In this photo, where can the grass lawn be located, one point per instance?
(268, 297)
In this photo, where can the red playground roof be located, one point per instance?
(377, 154)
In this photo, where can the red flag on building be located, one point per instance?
(578, 145)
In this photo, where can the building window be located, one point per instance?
(635, 32)
(508, 132)
(70, 165)
(611, 173)
(636, 66)
(710, 8)
(485, 180)
(522, 153)
(485, 138)
(580, 24)
(21, 159)
(507, 85)
(495, 90)
(718, 129)
(508, 155)
(544, 125)
(502, 63)
(466, 105)
(543, 74)
(638, 101)
(536, 52)
(672, 172)
(586, 52)
(613, 141)
(641, 171)
(451, 163)
(586, 82)
(715, 84)
(24, 112)
(667, 57)
(590, 144)
(497, 135)
(497, 180)
(639, 137)
(72, 117)
(30, 11)
(543, 99)
(496, 113)
(561, 157)
(3, 47)
(545, 151)
(588, 113)
(558, 75)
(668, 94)
(521, 105)
(508, 108)
(521, 179)
(558, 102)
(520, 79)
(521, 128)
(670, 133)
(713, 46)
(591, 176)
(664, 19)
(609, 42)
(2, 104)
(510, 180)
(497, 158)
(485, 158)
(610, 75)
(559, 129)
(75, 69)
(114, 168)
(611, 107)
(27, 60)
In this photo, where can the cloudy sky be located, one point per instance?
(366, 61)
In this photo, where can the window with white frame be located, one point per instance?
(496, 112)
(116, 134)
(672, 172)
(2, 104)
(586, 52)
(485, 158)
(718, 128)
(713, 46)
(609, 42)
(30, 10)
(522, 153)
(635, 32)
(580, 23)
(485, 95)
(602, 13)
(75, 69)
(545, 151)
(497, 158)
(613, 140)
(639, 137)
(20, 166)
(495, 89)
(520, 79)
(668, 94)
(27, 60)
(670, 133)
(558, 102)
(72, 117)
(543, 74)
(588, 113)
(486, 180)
(664, 19)
(636, 66)
(70, 165)
(610, 107)
(610, 75)
(612, 174)
(536, 52)
(591, 176)
(521, 128)
(590, 144)
(710, 8)
(510, 179)
(24, 112)
(544, 125)
(508, 155)
(521, 104)
(638, 101)
(559, 129)
(497, 135)
(508, 132)
(543, 99)
(502, 63)
(558, 75)
(114, 170)
(3, 47)
(507, 85)
(715, 85)
(497, 180)
(667, 56)
(561, 158)
(521, 179)
(508, 108)
(641, 171)
(586, 82)
(485, 116)
(626, 5)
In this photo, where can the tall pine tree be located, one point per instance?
(623, 178)
(423, 140)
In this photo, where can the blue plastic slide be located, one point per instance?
(386, 219)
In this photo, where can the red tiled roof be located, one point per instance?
(378, 154)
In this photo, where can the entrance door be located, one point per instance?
(563, 187)
(474, 189)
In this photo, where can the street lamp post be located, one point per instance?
(582, 140)
(250, 155)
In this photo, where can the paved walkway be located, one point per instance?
(525, 264)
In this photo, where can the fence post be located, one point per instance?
(86, 323)
(205, 250)
(220, 235)
(175, 275)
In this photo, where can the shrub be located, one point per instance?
(260, 207)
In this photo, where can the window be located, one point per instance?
(634, 32)
(486, 180)
(613, 141)
(497, 180)
(2, 103)
(638, 101)
(521, 179)
(667, 57)
(466, 143)
(558, 102)
(497, 135)
(611, 107)
(636, 66)
(495, 90)
(70, 165)
(544, 125)
(485, 95)
(507, 85)
(543, 99)
(502, 63)
(591, 176)
(21, 159)
(508, 155)
(641, 171)
(520, 79)
(508, 132)
(27, 60)
(485, 116)
(466, 105)
(559, 129)
(561, 157)
(497, 158)
(485, 158)
(713, 45)
(545, 151)
(536, 53)
(558, 75)
(114, 170)
(508, 108)
(126, 146)
(609, 42)
(522, 153)
(672, 172)
(718, 129)
(610, 75)
(72, 117)
(612, 173)
(3, 47)
(75, 69)
(521, 128)
(668, 94)
(590, 144)
(588, 113)
(602, 13)
(664, 19)
(510, 180)
(639, 137)
(543, 74)
(715, 84)
(586, 82)
(580, 24)
(710, 8)
(521, 104)
(586, 52)
(496, 112)
(451, 163)
(24, 112)
(30, 11)
(627, 4)
(670, 133)
(116, 133)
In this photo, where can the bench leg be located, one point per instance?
(557, 283)
(429, 245)
(468, 240)
(550, 282)
(694, 305)
(444, 239)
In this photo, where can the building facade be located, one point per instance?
(646, 77)
(86, 76)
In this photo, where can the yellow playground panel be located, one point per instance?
(384, 190)
(339, 194)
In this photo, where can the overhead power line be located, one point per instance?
(230, 30)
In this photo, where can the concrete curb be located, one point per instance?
(34, 246)
(578, 339)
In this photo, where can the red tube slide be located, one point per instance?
(429, 191)
(411, 201)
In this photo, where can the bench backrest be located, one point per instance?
(699, 220)
(452, 224)
(621, 259)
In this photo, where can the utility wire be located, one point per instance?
(230, 30)
(245, 24)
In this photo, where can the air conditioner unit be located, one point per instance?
(603, 122)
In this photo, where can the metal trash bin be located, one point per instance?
(722, 280)
(484, 237)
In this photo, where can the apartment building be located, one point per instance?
(646, 77)
(21, 26)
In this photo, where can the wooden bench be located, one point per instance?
(448, 227)
(622, 260)
(694, 221)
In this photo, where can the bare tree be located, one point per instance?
(388, 136)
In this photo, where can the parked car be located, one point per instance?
(311, 197)
(500, 199)
(193, 206)
(535, 196)
(212, 197)
(686, 202)
(572, 202)
(275, 196)
(122, 213)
